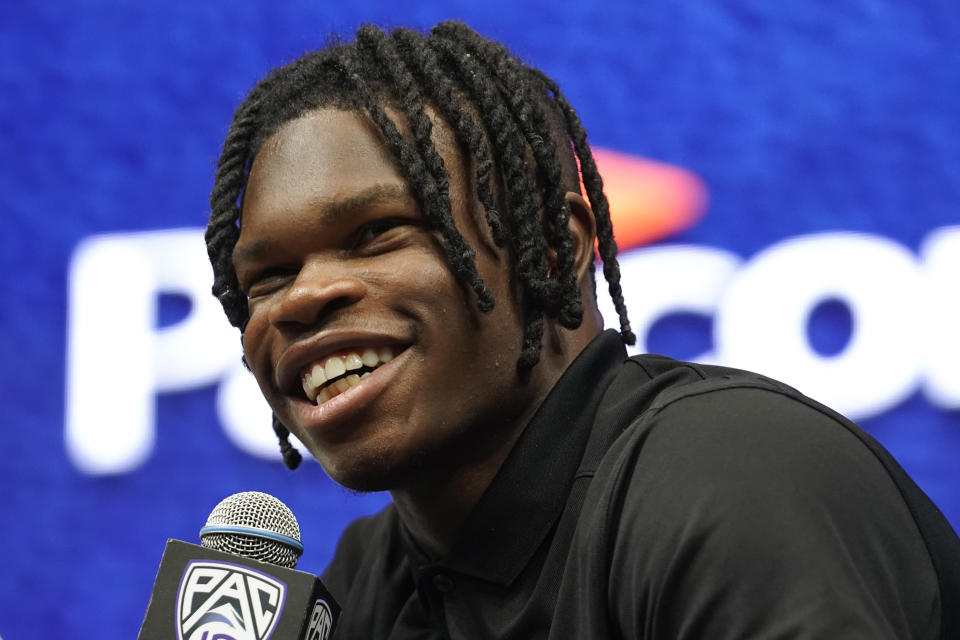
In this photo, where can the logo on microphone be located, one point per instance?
(224, 601)
(321, 622)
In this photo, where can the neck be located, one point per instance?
(435, 504)
(434, 509)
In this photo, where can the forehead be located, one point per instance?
(322, 154)
(330, 153)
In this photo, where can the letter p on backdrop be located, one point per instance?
(118, 360)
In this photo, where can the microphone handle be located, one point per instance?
(205, 594)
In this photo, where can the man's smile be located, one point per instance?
(331, 376)
(319, 368)
(343, 405)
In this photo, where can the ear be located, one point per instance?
(583, 228)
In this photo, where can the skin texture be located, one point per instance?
(334, 256)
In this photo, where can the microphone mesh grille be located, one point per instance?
(259, 510)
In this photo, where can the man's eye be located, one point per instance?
(372, 231)
(266, 282)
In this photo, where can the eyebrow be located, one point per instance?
(337, 209)
(334, 210)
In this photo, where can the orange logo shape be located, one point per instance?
(649, 200)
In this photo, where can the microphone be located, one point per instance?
(254, 525)
(241, 583)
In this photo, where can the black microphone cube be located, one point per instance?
(203, 594)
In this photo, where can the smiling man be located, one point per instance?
(398, 231)
(362, 338)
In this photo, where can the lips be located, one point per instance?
(331, 375)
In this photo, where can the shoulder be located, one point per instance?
(722, 436)
(719, 411)
(737, 442)
(732, 488)
(734, 447)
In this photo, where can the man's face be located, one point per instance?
(339, 268)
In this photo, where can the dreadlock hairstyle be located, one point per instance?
(510, 119)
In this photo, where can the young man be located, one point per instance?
(399, 233)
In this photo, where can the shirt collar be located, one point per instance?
(528, 494)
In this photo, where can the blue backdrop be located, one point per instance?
(801, 119)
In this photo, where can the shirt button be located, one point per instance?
(443, 583)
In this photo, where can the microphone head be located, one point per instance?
(254, 525)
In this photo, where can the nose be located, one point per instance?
(319, 290)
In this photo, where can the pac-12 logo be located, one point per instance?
(321, 622)
(224, 601)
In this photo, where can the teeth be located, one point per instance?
(334, 367)
(313, 380)
(329, 372)
(352, 362)
(318, 374)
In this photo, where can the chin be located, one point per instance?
(369, 474)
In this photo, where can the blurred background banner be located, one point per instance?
(785, 180)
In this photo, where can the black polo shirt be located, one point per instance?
(651, 498)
